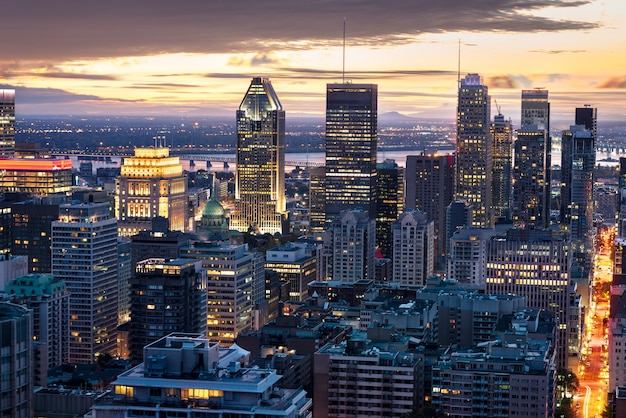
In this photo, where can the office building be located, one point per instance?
(31, 233)
(413, 253)
(317, 201)
(353, 248)
(7, 123)
(156, 244)
(351, 146)
(294, 267)
(370, 374)
(390, 195)
(430, 189)
(502, 136)
(467, 260)
(48, 299)
(578, 160)
(260, 203)
(11, 267)
(166, 296)
(617, 318)
(151, 184)
(123, 279)
(458, 215)
(474, 149)
(535, 264)
(530, 208)
(39, 177)
(84, 255)
(189, 376)
(509, 377)
(235, 284)
(16, 342)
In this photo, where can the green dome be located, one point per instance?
(213, 209)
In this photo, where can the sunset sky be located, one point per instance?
(193, 57)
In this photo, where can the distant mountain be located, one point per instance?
(395, 117)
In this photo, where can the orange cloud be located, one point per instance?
(614, 83)
(502, 82)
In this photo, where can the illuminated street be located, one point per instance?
(593, 367)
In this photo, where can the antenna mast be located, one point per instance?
(343, 71)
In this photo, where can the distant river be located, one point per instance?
(602, 158)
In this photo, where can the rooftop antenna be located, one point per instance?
(458, 76)
(343, 71)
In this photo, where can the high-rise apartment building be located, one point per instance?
(413, 252)
(48, 299)
(474, 149)
(151, 184)
(354, 235)
(502, 136)
(84, 255)
(430, 189)
(578, 160)
(529, 177)
(7, 123)
(389, 192)
(235, 282)
(536, 113)
(16, 341)
(260, 204)
(466, 261)
(535, 264)
(351, 148)
(166, 296)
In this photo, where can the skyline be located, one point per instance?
(193, 58)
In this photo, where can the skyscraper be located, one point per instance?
(474, 152)
(151, 184)
(354, 237)
(260, 203)
(351, 144)
(532, 173)
(389, 191)
(578, 159)
(84, 254)
(7, 123)
(502, 136)
(430, 189)
(413, 252)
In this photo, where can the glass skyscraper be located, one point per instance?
(351, 143)
(260, 204)
(7, 123)
(474, 151)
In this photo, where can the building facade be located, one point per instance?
(84, 255)
(502, 136)
(260, 203)
(413, 249)
(7, 123)
(430, 189)
(351, 149)
(390, 195)
(294, 267)
(151, 184)
(166, 296)
(353, 246)
(474, 149)
(39, 177)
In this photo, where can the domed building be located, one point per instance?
(213, 224)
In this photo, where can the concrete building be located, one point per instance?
(40, 177)
(16, 342)
(235, 285)
(167, 296)
(430, 188)
(294, 267)
(11, 267)
(186, 375)
(510, 377)
(151, 184)
(534, 264)
(413, 249)
(48, 299)
(84, 255)
(260, 203)
(377, 378)
(467, 260)
(353, 246)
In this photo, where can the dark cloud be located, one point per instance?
(43, 30)
(163, 85)
(613, 83)
(502, 82)
(28, 96)
(59, 74)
